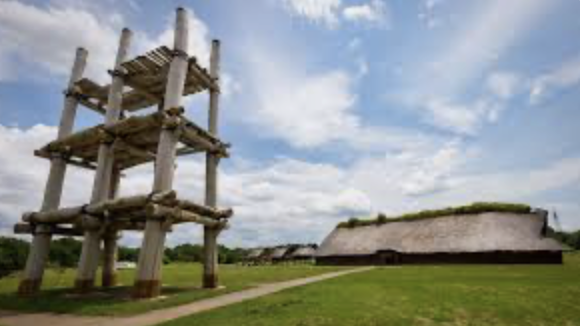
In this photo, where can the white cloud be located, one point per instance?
(289, 201)
(503, 85)
(428, 15)
(429, 174)
(23, 175)
(314, 109)
(486, 35)
(309, 111)
(462, 118)
(331, 13)
(494, 29)
(390, 185)
(374, 12)
(317, 11)
(45, 37)
(565, 75)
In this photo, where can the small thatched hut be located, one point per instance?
(303, 253)
(278, 254)
(254, 256)
(479, 233)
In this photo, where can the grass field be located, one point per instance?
(419, 295)
(181, 285)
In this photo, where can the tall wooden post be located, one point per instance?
(91, 250)
(147, 282)
(109, 274)
(210, 234)
(36, 262)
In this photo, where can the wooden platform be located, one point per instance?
(146, 75)
(135, 141)
(126, 213)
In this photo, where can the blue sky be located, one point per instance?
(334, 108)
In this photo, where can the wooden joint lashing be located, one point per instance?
(167, 225)
(42, 229)
(167, 196)
(175, 111)
(219, 153)
(74, 92)
(180, 54)
(119, 72)
(106, 137)
(171, 122)
(159, 212)
(54, 152)
(58, 155)
(90, 223)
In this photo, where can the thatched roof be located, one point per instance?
(492, 231)
(255, 253)
(279, 252)
(303, 251)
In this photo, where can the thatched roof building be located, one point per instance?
(279, 253)
(255, 254)
(303, 253)
(478, 236)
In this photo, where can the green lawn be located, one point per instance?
(419, 295)
(181, 285)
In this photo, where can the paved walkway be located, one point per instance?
(159, 316)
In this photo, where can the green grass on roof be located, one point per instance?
(472, 209)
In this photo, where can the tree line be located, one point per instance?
(570, 239)
(65, 252)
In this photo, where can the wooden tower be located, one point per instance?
(159, 78)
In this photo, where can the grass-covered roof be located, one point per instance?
(472, 209)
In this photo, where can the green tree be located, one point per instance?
(65, 252)
(13, 253)
(128, 254)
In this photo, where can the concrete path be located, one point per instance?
(163, 315)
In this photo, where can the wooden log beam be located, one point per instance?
(117, 204)
(204, 210)
(38, 255)
(96, 107)
(193, 139)
(210, 234)
(24, 228)
(187, 151)
(147, 280)
(110, 237)
(68, 159)
(63, 215)
(178, 215)
(133, 150)
(90, 254)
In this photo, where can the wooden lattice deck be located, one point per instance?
(135, 141)
(147, 76)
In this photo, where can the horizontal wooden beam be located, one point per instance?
(24, 228)
(178, 215)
